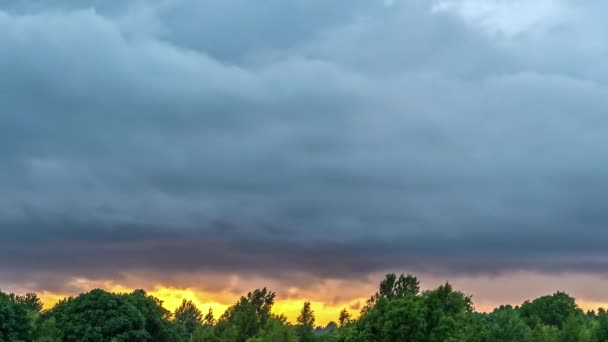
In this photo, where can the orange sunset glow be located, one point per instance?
(487, 292)
(325, 313)
(219, 302)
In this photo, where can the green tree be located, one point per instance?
(344, 318)
(394, 287)
(306, 323)
(177, 332)
(479, 328)
(276, 329)
(204, 333)
(188, 315)
(575, 330)
(47, 331)
(402, 319)
(156, 317)
(262, 300)
(600, 330)
(29, 300)
(507, 326)
(99, 316)
(307, 316)
(396, 312)
(209, 319)
(544, 333)
(343, 334)
(448, 312)
(16, 319)
(553, 310)
(327, 329)
(246, 318)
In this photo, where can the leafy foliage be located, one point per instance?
(247, 317)
(276, 330)
(16, 318)
(398, 311)
(306, 323)
(344, 318)
(157, 319)
(29, 300)
(204, 333)
(209, 318)
(188, 315)
(553, 310)
(100, 316)
(395, 287)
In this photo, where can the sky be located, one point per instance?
(202, 149)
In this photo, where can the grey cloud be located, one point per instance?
(236, 31)
(374, 137)
(102, 253)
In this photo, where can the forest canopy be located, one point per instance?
(398, 311)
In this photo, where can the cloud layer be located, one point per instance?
(281, 138)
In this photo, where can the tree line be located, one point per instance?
(398, 311)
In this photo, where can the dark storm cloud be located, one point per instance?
(276, 137)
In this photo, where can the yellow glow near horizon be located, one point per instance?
(172, 298)
(325, 311)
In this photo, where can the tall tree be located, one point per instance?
(188, 315)
(574, 329)
(344, 318)
(16, 323)
(246, 317)
(393, 287)
(447, 313)
(307, 316)
(306, 323)
(205, 333)
(157, 318)
(553, 310)
(262, 300)
(30, 300)
(402, 319)
(99, 316)
(600, 331)
(276, 330)
(209, 319)
(507, 326)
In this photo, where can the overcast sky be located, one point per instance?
(301, 139)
